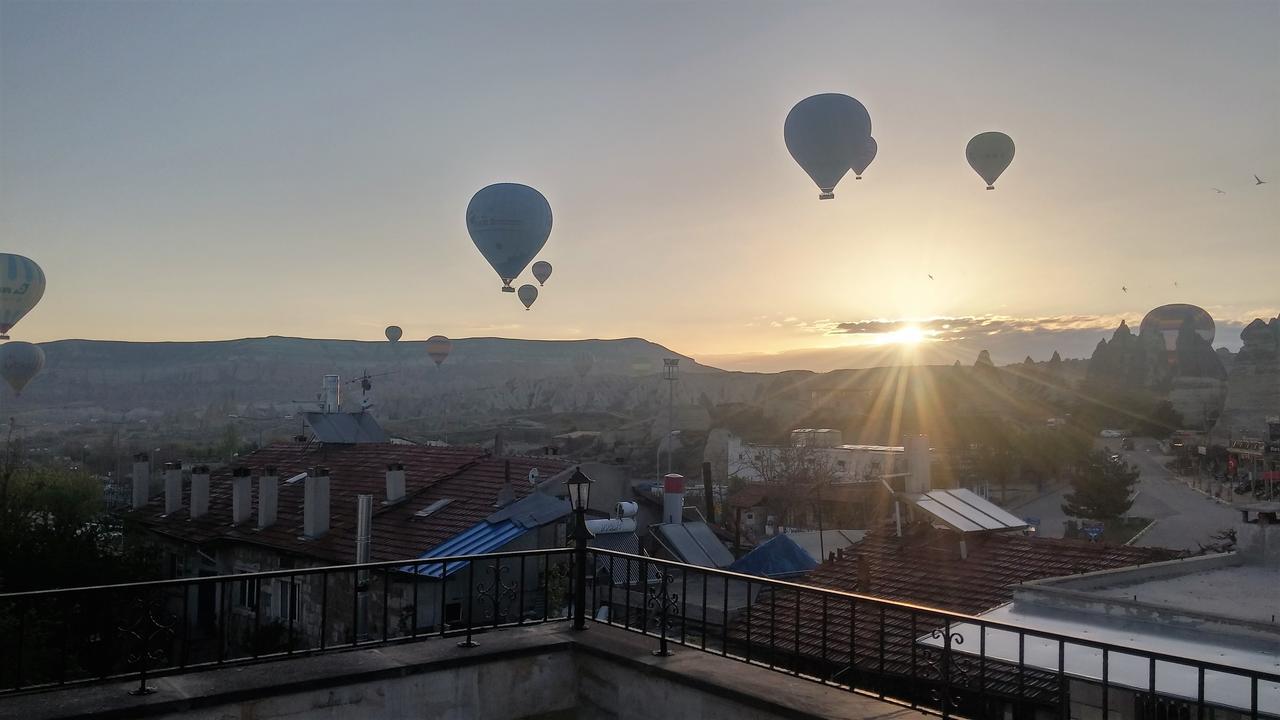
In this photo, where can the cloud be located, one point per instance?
(957, 328)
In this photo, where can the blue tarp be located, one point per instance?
(778, 557)
(483, 537)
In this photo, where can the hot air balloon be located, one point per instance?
(21, 286)
(865, 156)
(542, 271)
(527, 295)
(509, 223)
(19, 363)
(582, 364)
(438, 348)
(394, 333)
(989, 154)
(825, 133)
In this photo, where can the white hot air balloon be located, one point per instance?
(542, 271)
(825, 133)
(19, 363)
(865, 156)
(21, 287)
(989, 153)
(509, 223)
(438, 348)
(394, 333)
(527, 295)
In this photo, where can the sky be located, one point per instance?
(212, 170)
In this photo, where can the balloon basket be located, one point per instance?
(826, 196)
(508, 289)
(991, 187)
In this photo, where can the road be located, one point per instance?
(1184, 518)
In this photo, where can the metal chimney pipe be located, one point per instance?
(172, 487)
(315, 504)
(673, 498)
(507, 493)
(268, 497)
(241, 495)
(141, 480)
(199, 491)
(395, 483)
(364, 527)
(919, 478)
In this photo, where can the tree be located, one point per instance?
(797, 469)
(1102, 490)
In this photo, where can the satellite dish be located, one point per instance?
(533, 476)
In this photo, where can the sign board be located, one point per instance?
(1093, 531)
(1202, 450)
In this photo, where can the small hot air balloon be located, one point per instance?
(394, 333)
(865, 156)
(509, 223)
(582, 364)
(438, 348)
(989, 153)
(542, 271)
(19, 363)
(527, 295)
(825, 133)
(21, 286)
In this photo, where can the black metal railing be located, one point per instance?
(142, 630)
(933, 660)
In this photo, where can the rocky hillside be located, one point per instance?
(1253, 392)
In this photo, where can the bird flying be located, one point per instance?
(1259, 180)
(1220, 192)
(1122, 287)
(930, 277)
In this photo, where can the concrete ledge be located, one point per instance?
(546, 671)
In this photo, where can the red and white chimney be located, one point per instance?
(673, 498)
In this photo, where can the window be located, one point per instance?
(247, 594)
(452, 613)
(286, 600)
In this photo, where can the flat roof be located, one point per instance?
(1241, 592)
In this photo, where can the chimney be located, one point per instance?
(507, 494)
(172, 487)
(268, 497)
(673, 498)
(395, 483)
(315, 508)
(864, 574)
(364, 526)
(499, 444)
(199, 491)
(141, 480)
(332, 395)
(241, 495)
(919, 480)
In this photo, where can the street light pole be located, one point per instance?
(670, 373)
(579, 487)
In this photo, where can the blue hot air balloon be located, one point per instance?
(509, 223)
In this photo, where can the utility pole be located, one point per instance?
(670, 373)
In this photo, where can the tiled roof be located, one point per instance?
(924, 568)
(467, 475)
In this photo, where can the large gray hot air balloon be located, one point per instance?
(865, 156)
(438, 348)
(527, 295)
(825, 133)
(509, 223)
(19, 363)
(394, 333)
(21, 286)
(989, 154)
(542, 271)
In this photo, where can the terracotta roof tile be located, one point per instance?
(468, 475)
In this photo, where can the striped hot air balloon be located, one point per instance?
(21, 287)
(438, 348)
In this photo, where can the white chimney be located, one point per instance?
(315, 504)
(919, 480)
(331, 395)
(395, 483)
(268, 497)
(673, 498)
(141, 480)
(199, 491)
(507, 493)
(172, 487)
(241, 496)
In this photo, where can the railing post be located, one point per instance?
(580, 537)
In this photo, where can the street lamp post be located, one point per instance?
(579, 487)
(670, 373)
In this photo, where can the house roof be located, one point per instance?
(467, 476)
(923, 567)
